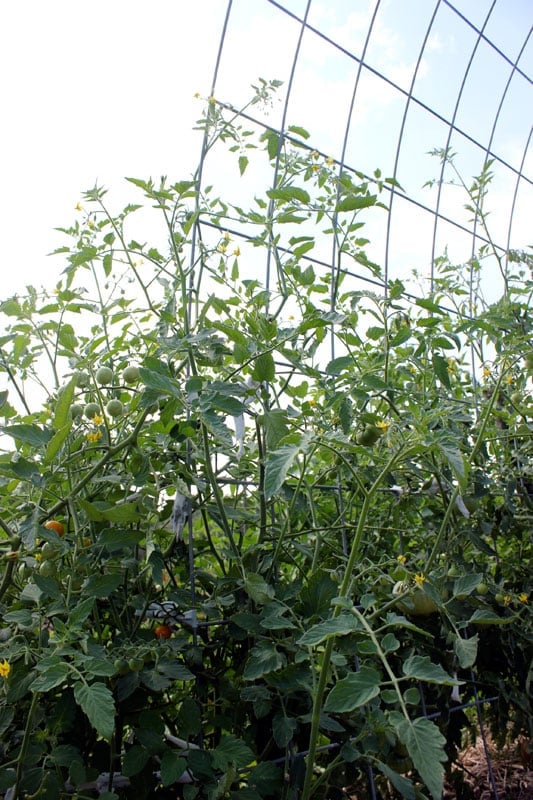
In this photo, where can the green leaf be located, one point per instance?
(455, 459)
(482, 616)
(277, 465)
(276, 427)
(97, 703)
(423, 669)
(134, 760)
(283, 729)
(400, 783)
(63, 403)
(123, 513)
(440, 367)
(267, 779)
(243, 163)
(29, 434)
(353, 691)
(49, 587)
(337, 626)
(263, 658)
(102, 585)
(289, 194)
(113, 539)
(425, 744)
(231, 752)
(299, 131)
(355, 202)
(56, 442)
(264, 368)
(466, 584)
(257, 588)
(466, 650)
(54, 676)
(172, 767)
(339, 364)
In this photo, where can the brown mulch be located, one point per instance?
(512, 778)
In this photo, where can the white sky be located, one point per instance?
(99, 91)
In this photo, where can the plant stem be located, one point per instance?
(344, 592)
(24, 746)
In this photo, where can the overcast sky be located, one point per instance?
(95, 92)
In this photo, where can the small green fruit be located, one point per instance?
(48, 551)
(104, 375)
(91, 409)
(136, 664)
(368, 436)
(47, 569)
(131, 374)
(76, 410)
(482, 588)
(83, 379)
(114, 408)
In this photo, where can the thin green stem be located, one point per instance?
(24, 746)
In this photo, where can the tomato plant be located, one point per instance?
(322, 521)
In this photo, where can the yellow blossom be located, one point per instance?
(313, 154)
(197, 95)
(237, 251)
(223, 246)
(94, 436)
(486, 372)
(227, 237)
(401, 559)
(5, 668)
(91, 224)
(419, 579)
(507, 599)
(509, 379)
(212, 100)
(312, 403)
(315, 167)
(383, 425)
(523, 597)
(79, 207)
(330, 161)
(97, 419)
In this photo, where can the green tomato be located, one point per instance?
(104, 375)
(91, 409)
(83, 379)
(76, 410)
(482, 588)
(48, 551)
(131, 374)
(121, 666)
(47, 569)
(368, 436)
(114, 408)
(417, 603)
(136, 664)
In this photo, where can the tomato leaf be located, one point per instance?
(96, 701)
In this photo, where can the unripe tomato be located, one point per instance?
(55, 525)
(121, 666)
(131, 374)
(104, 375)
(48, 551)
(368, 436)
(163, 632)
(76, 410)
(82, 379)
(136, 664)
(91, 409)
(420, 604)
(482, 588)
(47, 569)
(114, 408)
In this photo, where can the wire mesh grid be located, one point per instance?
(380, 88)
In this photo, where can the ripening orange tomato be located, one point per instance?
(55, 525)
(163, 632)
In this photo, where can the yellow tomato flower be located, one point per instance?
(313, 154)
(212, 100)
(5, 668)
(330, 161)
(523, 597)
(419, 579)
(97, 419)
(507, 599)
(401, 559)
(94, 436)
(197, 95)
(383, 425)
(237, 251)
(78, 207)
